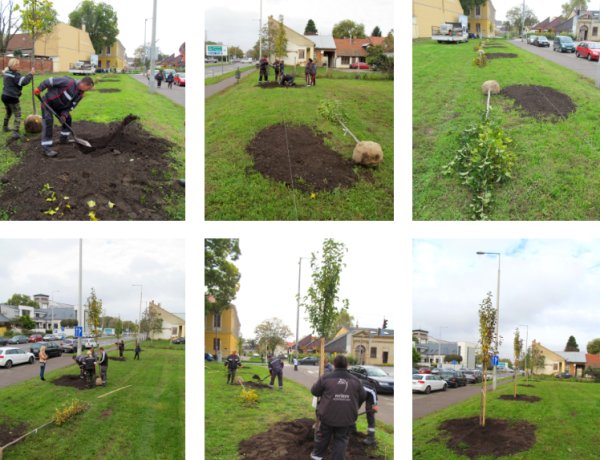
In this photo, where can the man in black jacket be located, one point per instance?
(13, 87)
(232, 362)
(276, 370)
(62, 95)
(103, 361)
(341, 395)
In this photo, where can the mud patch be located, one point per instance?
(525, 398)
(72, 381)
(128, 167)
(526, 385)
(500, 55)
(273, 84)
(294, 441)
(314, 166)
(256, 385)
(108, 90)
(116, 358)
(498, 438)
(540, 101)
(11, 431)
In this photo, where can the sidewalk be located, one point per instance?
(176, 94)
(211, 90)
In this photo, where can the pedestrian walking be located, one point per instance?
(148, 73)
(62, 96)
(341, 395)
(13, 87)
(159, 77)
(103, 362)
(276, 368)
(232, 363)
(170, 79)
(295, 363)
(263, 67)
(137, 351)
(43, 358)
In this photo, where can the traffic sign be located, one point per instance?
(78, 331)
(454, 362)
(495, 360)
(216, 50)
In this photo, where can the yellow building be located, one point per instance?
(482, 20)
(299, 48)
(113, 57)
(433, 13)
(65, 45)
(221, 332)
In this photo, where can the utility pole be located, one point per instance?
(260, 33)
(298, 304)
(80, 311)
(523, 21)
(141, 286)
(153, 50)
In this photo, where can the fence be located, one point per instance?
(41, 65)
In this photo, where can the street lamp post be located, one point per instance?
(141, 286)
(494, 374)
(298, 303)
(145, 46)
(440, 346)
(153, 49)
(525, 367)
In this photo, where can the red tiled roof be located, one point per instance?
(20, 42)
(542, 25)
(355, 46)
(590, 358)
(557, 21)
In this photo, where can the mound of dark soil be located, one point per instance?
(525, 398)
(73, 381)
(294, 441)
(274, 84)
(498, 438)
(500, 55)
(11, 431)
(526, 385)
(127, 167)
(256, 385)
(108, 90)
(540, 101)
(494, 46)
(314, 166)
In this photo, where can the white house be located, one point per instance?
(172, 326)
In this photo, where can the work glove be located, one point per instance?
(37, 91)
(375, 408)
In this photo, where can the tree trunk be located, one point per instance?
(484, 396)
(515, 382)
(322, 353)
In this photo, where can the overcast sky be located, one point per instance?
(553, 286)
(131, 15)
(541, 8)
(235, 22)
(269, 283)
(110, 266)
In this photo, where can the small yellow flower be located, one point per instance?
(111, 204)
(92, 216)
(91, 204)
(313, 196)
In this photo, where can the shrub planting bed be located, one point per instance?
(540, 101)
(11, 431)
(526, 398)
(500, 55)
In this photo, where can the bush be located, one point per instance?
(67, 412)
(593, 373)
(249, 397)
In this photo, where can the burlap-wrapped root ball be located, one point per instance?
(33, 124)
(492, 85)
(367, 153)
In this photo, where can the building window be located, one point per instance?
(373, 352)
(477, 10)
(345, 60)
(108, 64)
(300, 54)
(594, 31)
(478, 28)
(555, 367)
(216, 344)
(174, 330)
(108, 50)
(217, 320)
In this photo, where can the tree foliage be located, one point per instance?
(94, 311)
(416, 356)
(322, 302)
(515, 17)
(23, 322)
(69, 323)
(100, 20)
(235, 51)
(151, 320)
(10, 22)
(593, 347)
(469, 5)
(489, 345)
(518, 351)
(271, 333)
(571, 344)
(344, 319)
(311, 28)
(388, 42)
(378, 60)
(280, 39)
(567, 8)
(348, 29)
(221, 276)
(453, 357)
(537, 358)
(130, 326)
(119, 328)
(376, 32)
(22, 299)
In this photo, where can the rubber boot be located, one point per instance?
(5, 127)
(49, 152)
(370, 439)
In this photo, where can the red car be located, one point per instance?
(35, 338)
(359, 65)
(589, 50)
(179, 79)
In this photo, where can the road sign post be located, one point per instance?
(78, 331)
(495, 360)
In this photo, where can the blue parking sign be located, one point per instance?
(495, 360)
(78, 331)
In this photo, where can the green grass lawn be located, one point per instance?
(158, 115)
(234, 191)
(556, 174)
(227, 421)
(212, 80)
(566, 420)
(146, 420)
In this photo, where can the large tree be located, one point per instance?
(100, 20)
(235, 51)
(453, 357)
(489, 346)
(24, 322)
(271, 333)
(10, 22)
(593, 347)
(311, 28)
(571, 344)
(515, 18)
(94, 311)
(22, 299)
(567, 8)
(376, 32)
(469, 5)
(348, 29)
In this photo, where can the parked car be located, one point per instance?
(588, 50)
(179, 79)
(424, 370)
(49, 338)
(178, 340)
(309, 360)
(89, 343)
(35, 338)
(18, 339)
(426, 383)
(208, 357)
(542, 42)
(563, 44)
(472, 376)
(52, 349)
(60, 336)
(563, 375)
(69, 345)
(359, 65)
(531, 39)
(210, 61)
(3, 341)
(376, 376)
(454, 379)
(11, 355)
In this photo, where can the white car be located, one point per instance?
(89, 343)
(426, 383)
(49, 337)
(11, 355)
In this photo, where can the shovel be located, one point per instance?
(75, 138)
(257, 377)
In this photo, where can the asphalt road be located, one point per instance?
(176, 93)
(582, 66)
(22, 372)
(215, 71)
(308, 375)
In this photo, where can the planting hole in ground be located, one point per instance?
(526, 385)
(500, 55)
(498, 438)
(525, 398)
(256, 385)
(73, 381)
(108, 90)
(295, 441)
(11, 431)
(314, 166)
(540, 101)
(125, 175)
(273, 84)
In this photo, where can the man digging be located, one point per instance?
(232, 363)
(62, 95)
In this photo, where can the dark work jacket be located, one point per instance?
(103, 359)
(62, 95)
(341, 395)
(276, 366)
(13, 84)
(233, 362)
